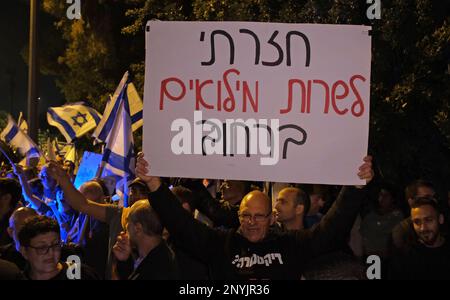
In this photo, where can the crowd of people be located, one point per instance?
(193, 229)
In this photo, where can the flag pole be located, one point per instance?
(33, 71)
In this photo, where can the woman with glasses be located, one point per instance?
(40, 244)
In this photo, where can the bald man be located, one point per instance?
(11, 252)
(92, 234)
(254, 251)
(93, 191)
(84, 226)
(291, 206)
(111, 214)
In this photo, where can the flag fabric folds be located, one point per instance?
(118, 157)
(19, 140)
(70, 153)
(112, 107)
(73, 120)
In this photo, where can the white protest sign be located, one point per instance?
(88, 168)
(257, 101)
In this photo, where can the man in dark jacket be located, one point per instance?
(153, 260)
(428, 257)
(253, 251)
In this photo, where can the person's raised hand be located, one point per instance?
(57, 172)
(122, 247)
(142, 171)
(365, 171)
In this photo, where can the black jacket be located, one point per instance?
(159, 264)
(278, 256)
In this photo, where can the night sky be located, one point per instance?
(14, 30)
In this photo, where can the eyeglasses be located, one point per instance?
(41, 250)
(257, 218)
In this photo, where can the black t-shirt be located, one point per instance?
(277, 256)
(421, 262)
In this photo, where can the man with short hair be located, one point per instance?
(154, 259)
(90, 233)
(402, 234)
(428, 257)
(291, 206)
(138, 191)
(11, 252)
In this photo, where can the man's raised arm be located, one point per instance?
(75, 199)
(26, 189)
(335, 226)
(197, 238)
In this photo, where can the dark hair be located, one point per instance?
(413, 187)
(421, 201)
(302, 198)
(390, 188)
(12, 187)
(140, 185)
(184, 195)
(35, 226)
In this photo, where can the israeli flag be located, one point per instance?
(118, 157)
(136, 108)
(73, 120)
(19, 140)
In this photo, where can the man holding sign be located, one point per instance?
(253, 251)
(257, 101)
